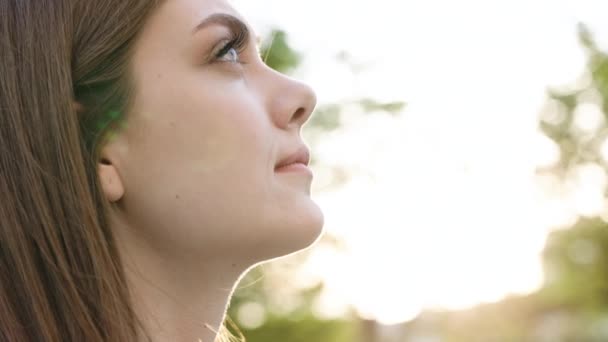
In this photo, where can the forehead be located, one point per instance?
(182, 16)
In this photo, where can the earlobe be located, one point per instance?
(109, 178)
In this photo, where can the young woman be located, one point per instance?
(148, 158)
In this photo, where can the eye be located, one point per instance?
(229, 53)
(230, 56)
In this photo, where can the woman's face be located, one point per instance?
(199, 152)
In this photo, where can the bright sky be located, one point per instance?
(443, 208)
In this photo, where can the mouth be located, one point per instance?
(295, 162)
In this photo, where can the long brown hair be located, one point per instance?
(61, 278)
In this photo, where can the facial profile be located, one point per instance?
(195, 171)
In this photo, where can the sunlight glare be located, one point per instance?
(438, 199)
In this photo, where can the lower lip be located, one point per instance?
(297, 168)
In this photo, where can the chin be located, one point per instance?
(295, 233)
(308, 230)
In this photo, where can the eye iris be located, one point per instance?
(229, 54)
(232, 55)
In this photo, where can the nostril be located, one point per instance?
(299, 115)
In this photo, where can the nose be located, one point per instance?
(291, 102)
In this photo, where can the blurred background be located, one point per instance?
(460, 158)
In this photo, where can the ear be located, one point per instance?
(109, 178)
(111, 183)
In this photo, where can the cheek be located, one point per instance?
(200, 114)
(213, 121)
(193, 160)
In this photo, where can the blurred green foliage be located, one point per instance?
(277, 53)
(558, 122)
(287, 314)
(303, 329)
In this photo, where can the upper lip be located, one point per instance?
(300, 156)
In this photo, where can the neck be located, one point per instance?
(179, 300)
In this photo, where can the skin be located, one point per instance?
(191, 175)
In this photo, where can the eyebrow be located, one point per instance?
(227, 20)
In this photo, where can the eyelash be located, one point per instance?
(237, 42)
